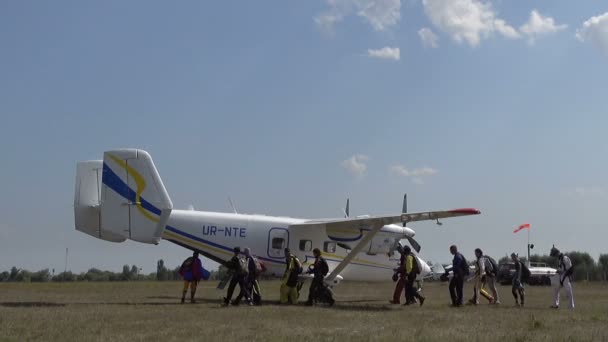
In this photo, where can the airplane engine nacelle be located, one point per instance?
(381, 245)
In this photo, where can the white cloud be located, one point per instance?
(356, 164)
(595, 30)
(385, 53)
(538, 26)
(417, 175)
(417, 180)
(380, 14)
(428, 38)
(467, 21)
(326, 21)
(590, 191)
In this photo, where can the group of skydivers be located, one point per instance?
(486, 271)
(245, 271)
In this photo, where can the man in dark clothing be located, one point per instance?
(411, 267)
(319, 269)
(400, 274)
(289, 290)
(249, 279)
(238, 277)
(460, 270)
(517, 284)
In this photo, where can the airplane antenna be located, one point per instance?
(347, 209)
(232, 205)
(410, 239)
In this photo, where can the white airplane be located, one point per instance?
(123, 197)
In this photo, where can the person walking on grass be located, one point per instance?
(412, 269)
(192, 272)
(564, 273)
(460, 269)
(517, 287)
(238, 268)
(317, 287)
(399, 278)
(485, 274)
(254, 269)
(293, 267)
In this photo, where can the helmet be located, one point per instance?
(237, 249)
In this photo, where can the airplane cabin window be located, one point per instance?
(329, 247)
(305, 245)
(277, 243)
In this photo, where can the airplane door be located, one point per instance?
(278, 240)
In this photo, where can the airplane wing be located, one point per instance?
(369, 226)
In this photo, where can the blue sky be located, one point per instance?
(290, 107)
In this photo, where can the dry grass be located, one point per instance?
(148, 311)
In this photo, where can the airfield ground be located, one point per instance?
(136, 311)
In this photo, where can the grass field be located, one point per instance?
(129, 311)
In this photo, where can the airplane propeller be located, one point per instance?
(415, 245)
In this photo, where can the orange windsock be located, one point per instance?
(523, 226)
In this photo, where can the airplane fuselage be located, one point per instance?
(216, 234)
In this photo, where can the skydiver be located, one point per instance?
(399, 277)
(319, 269)
(460, 270)
(412, 269)
(293, 267)
(239, 272)
(564, 272)
(517, 283)
(192, 272)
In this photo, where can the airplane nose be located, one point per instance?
(408, 232)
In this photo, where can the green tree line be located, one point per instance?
(585, 267)
(129, 273)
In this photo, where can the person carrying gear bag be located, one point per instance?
(319, 269)
(399, 277)
(517, 287)
(564, 272)
(192, 272)
(486, 271)
(412, 269)
(293, 267)
(251, 282)
(239, 272)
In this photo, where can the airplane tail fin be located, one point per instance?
(121, 197)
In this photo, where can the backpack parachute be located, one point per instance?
(298, 265)
(243, 263)
(415, 265)
(494, 265)
(292, 279)
(259, 266)
(186, 266)
(525, 273)
(465, 266)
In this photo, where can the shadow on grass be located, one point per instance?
(31, 304)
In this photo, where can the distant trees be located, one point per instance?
(585, 268)
(603, 265)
